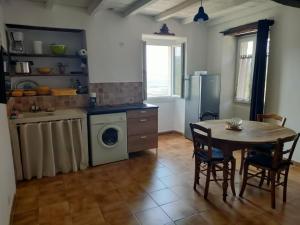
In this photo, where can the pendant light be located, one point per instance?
(201, 15)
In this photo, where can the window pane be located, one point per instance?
(158, 71)
(177, 82)
(245, 70)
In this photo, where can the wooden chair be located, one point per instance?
(271, 118)
(278, 162)
(209, 116)
(211, 158)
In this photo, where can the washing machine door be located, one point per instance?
(110, 136)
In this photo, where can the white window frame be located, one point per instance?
(237, 66)
(171, 41)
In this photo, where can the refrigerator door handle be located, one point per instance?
(187, 89)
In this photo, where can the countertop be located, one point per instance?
(118, 108)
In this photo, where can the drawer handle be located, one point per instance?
(143, 137)
(143, 120)
(143, 111)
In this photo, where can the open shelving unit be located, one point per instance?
(74, 39)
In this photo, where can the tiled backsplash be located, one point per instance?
(117, 93)
(107, 94)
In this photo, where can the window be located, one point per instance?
(165, 69)
(244, 68)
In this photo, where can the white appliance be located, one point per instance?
(108, 134)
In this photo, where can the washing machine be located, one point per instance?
(108, 136)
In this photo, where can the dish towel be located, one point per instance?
(48, 148)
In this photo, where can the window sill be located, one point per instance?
(162, 99)
(241, 102)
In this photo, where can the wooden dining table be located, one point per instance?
(252, 134)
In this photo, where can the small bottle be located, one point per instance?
(93, 99)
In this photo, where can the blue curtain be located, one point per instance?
(259, 73)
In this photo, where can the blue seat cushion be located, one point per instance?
(263, 160)
(217, 155)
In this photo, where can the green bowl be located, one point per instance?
(58, 49)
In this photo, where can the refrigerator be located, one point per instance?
(202, 94)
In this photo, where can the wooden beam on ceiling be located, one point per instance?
(177, 8)
(136, 6)
(95, 6)
(49, 4)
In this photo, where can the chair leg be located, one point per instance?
(214, 173)
(245, 179)
(285, 184)
(262, 179)
(278, 177)
(209, 166)
(269, 178)
(197, 168)
(243, 152)
(232, 175)
(273, 183)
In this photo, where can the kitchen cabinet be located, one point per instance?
(142, 129)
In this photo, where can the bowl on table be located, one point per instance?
(234, 124)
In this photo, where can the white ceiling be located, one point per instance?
(183, 10)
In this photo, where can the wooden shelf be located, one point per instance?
(48, 75)
(45, 56)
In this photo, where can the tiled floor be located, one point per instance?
(148, 190)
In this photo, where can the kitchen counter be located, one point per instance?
(118, 108)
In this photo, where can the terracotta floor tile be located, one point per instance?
(24, 204)
(178, 210)
(163, 196)
(141, 204)
(53, 213)
(91, 216)
(155, 216)
(26, 218)
(129, 192)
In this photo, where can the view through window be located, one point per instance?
(164, 70)
(245, 65)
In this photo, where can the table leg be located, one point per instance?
(225, 179)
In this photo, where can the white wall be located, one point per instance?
(7, 177)
(283, 91)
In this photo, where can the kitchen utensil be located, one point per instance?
(58, 49)
(43, 90)
(63, 92)
(17, 93)
(44, 70)
(62, 68)
(30, 93)
(38, 47)
(17, 42)
(82, 52)
(26, 85)
(23, 67)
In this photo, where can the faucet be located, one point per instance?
(35, 108)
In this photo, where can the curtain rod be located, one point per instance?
(246, 28)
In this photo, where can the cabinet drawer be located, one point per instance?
(141, 113)
(142, 125)
(142, 142)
